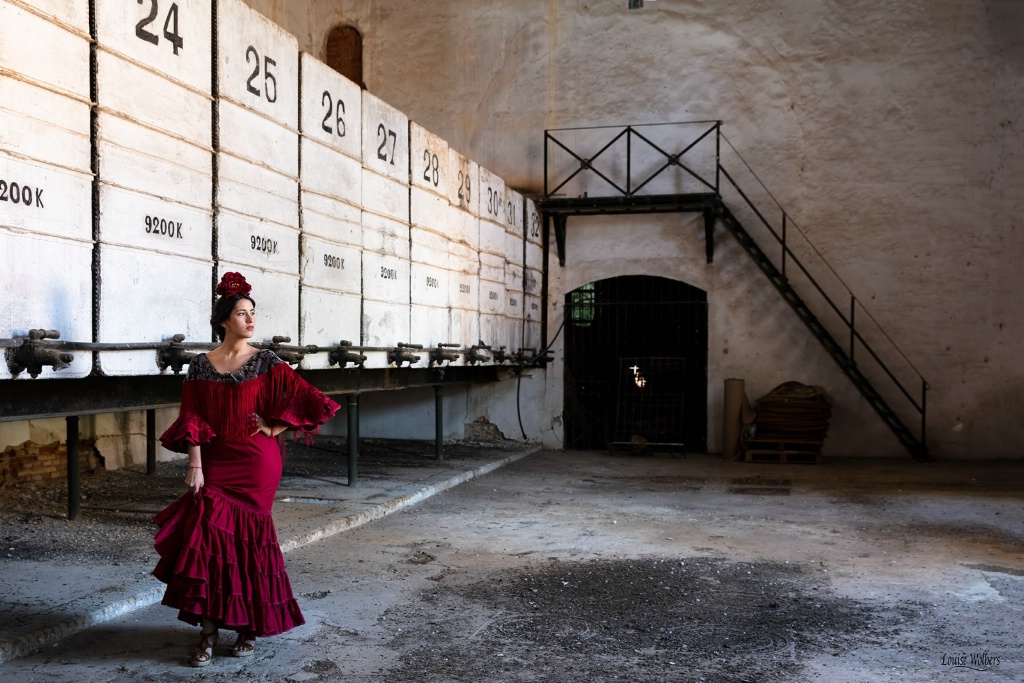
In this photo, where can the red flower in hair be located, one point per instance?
(232, 284)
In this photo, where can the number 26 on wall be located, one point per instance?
(170, 25)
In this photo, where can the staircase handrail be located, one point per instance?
(631, 131)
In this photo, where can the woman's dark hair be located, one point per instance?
(222, 311)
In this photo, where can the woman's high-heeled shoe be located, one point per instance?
(202, 655)
(245, 645)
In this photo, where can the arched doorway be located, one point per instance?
(345, 53)
(636, 363)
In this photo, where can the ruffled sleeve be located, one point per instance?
(295, 403)
(191, 428)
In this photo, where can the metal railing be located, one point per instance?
(696, 157)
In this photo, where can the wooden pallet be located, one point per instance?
(778, 451)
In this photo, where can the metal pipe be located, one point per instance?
(151, 441)
(438, 422)
(74, 469)
(353, 438)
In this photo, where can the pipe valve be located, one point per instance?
(441, 354)
(343, 355)
(475, 354)
(174, 356)
(291, 356)
(33, 355)
(501, 355)
(401, 354)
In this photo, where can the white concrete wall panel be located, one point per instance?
(277, 300)
(385, 139)
(142, 159)
(152, 99)
(428, 161)
(514, 246)
(464, 182)
(464, 228)
(331, 111)
(429, 210)
(44, 125)
(492, 297)
(535, 265)
(385, 236)
(385, 196)
(464, 270)
(48, 281)
(328, 317)
(384, 325)
(531, 330)
(429, 285)
(263, 245)
(492, 238)
(142, 221)
(146, 296)
(492, 267)
(463, 259)
(258, 64)
(256, 192)
(514, 217)
(429, 327)
(45, 199)
(513, 291)
(328, 172)
(331, 266)
(335, 220)
(66, 66)
(429, 247)
(73, 13)
(257, 139)
(496, 332)
(492, 198)
(463, 328)
(532, 224)
(386, 279)
(173, 38)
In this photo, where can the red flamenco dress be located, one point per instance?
(219, 554)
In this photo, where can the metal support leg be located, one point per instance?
(560, 221)
(151, 441)
(709, 235)
(438, 422)
(353, 438)
(74, 470)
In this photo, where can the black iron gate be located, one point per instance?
(636, 363)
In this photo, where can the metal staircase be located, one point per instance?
(699, 167)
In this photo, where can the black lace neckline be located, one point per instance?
(259, 363)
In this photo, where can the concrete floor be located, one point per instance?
(927, 559)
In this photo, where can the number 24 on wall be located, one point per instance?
(170, 25)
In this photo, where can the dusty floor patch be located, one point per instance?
(638, 620)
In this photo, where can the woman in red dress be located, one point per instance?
(218, 548)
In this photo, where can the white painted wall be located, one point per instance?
(890, 132)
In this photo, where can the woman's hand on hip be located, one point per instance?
(194, 479)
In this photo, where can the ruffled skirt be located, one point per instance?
(219, 554)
